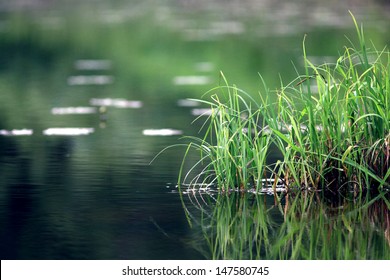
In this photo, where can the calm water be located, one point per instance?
(94, 195)
(85, 106)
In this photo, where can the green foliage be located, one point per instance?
(331, 126)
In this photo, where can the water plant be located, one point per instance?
(330, 129)
(331, 126)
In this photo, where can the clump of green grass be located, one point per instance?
(335, 138)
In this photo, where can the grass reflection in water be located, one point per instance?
(302, 226)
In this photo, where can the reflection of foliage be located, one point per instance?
(352, 230)
(239, 229)
(305, 227)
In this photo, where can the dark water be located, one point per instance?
(89, 191)
(91, 196)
